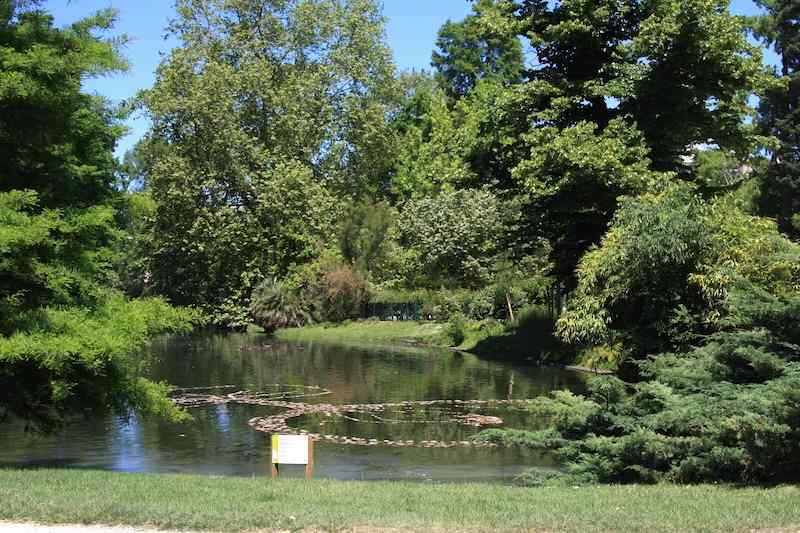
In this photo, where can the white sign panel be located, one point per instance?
(290, 449)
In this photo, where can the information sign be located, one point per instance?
(292, 450)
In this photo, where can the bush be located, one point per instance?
(275, 306)
(728, 410)
(87, 362)
(365, 236)
(482, 304)
(338, 293)
(456, 235)
(456, 330)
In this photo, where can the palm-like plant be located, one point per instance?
(274, 307)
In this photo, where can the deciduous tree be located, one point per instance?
(265, 114)
(779, 27)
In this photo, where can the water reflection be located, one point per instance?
(219, 440)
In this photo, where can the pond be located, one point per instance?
(409, 438)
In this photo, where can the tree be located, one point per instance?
(780, 114)
(717, 289)
(727, 410)
(69, 345)
(54, 138)
(441, 146)
(662, 273)
(433, 144)
(455, 237)
(366, 235)
(648, 81)
(266, 115)
(133, 248)
(574, 177)
(474, 50)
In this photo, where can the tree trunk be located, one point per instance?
(510, 307)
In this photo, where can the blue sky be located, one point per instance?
(411, 30)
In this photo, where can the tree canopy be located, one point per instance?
(778, 114)
(69, 344)
(474, 49)
(264, 115)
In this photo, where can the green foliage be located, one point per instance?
(621, 93)
(400, 296)
(71, 361)
(680, 70)
(213, 255)
(134, 244)
(662, 271)
(265, 118)
(716, 171)
(472, 50)
(433, 143)
(455, 236)
(54, 138)
(575, 176)
(779, 113)
(366, 236)
(69, 345)
(638, 276)
(48, 259)
(727, 410)
(455, 331)
(274, 307)
(719, 291)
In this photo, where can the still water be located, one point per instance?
(220, 441)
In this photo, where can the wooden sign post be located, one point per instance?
(292, 450)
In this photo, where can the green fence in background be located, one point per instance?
(395, 311)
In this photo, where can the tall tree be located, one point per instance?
(54, 138)
(68, 344)
(265, 114)
(621, 92)
(780, 113)
(474, 49)
(432, 143)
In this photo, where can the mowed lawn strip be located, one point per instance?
(236, 504)
(367, 331)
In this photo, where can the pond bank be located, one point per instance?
(241, 504)
(495, 342)
(368, 331)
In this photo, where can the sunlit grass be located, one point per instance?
(367, 331)
(235, 504)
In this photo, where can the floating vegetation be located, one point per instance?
(272, 396)
(434, 412)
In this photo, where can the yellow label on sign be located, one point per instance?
(290, 449)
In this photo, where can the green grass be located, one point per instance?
(367, 331)
(529, 337)
(234, 504)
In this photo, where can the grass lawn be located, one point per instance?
(529, 338)
(367, 331)
(234, 504)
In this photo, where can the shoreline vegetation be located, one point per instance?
(247, 504)
(530, 339)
